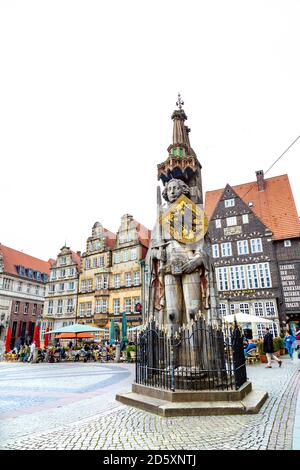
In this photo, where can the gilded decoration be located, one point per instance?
(184, 221)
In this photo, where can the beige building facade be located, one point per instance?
(62, 290)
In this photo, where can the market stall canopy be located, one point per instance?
(244, 318)
(76, 328)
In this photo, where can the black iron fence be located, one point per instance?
(198, 357)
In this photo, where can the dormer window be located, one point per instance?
(250, 204)
(229, 202)
(287, 243)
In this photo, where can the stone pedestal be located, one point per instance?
(195, 403)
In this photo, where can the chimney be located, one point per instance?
(260, 180)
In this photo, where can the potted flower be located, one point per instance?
(260, 349)
(277, 345)
(282, 348)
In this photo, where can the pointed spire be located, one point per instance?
(179, 129)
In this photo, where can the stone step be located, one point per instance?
(250, 404)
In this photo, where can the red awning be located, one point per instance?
(74, 335)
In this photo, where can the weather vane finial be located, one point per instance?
(179, 103)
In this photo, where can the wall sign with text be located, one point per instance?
(290, 280)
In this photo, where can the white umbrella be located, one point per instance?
(135, 328)
(245, 318)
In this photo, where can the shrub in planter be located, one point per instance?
(260, 350)
(277, 342)
(130, 349)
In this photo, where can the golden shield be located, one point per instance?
(184, 221)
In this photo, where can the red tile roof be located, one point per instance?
(275, 206)
(13, 258)
(144, 234)
(77, 259)
(110, 238)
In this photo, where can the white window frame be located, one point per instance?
(116, 306)
(136, 278)
(226, 249)
(258, 309)
(242, 247)
(133, 254)
(89, 309)
(252, 276)
(223, 309)
(127, 304)
(128, 280)
(256, 245)
(244, 308)
(117, 281)
(270, 308)
(223, 279)
(218, 223)
(264, 275)
(60, 304)
(231, 221)
(50, 307)
(287, 243)
(82, 309)
(245, 219)
(215, 250)
(229, 202)
(70, 305)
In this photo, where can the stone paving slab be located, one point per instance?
(123, 427)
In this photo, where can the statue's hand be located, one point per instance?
(155, 253)
(191, 265)
(159, 253)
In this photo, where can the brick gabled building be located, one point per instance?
(23, 281)
(255, 232)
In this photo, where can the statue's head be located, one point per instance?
(174, 188)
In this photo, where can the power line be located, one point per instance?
(273, 164)
(282, 154)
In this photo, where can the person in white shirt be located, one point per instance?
(32, 349)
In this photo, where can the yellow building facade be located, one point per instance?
(126, 273)
(93, 294)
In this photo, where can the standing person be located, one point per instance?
(269, 349)
(289, 341)
(32, 349)
(297, 333)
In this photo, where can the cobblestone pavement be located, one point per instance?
(123, 427)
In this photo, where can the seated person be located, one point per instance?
(245, 341)
(251, 345)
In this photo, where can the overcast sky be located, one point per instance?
(87, 89)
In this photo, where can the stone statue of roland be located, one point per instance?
(179, 283)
